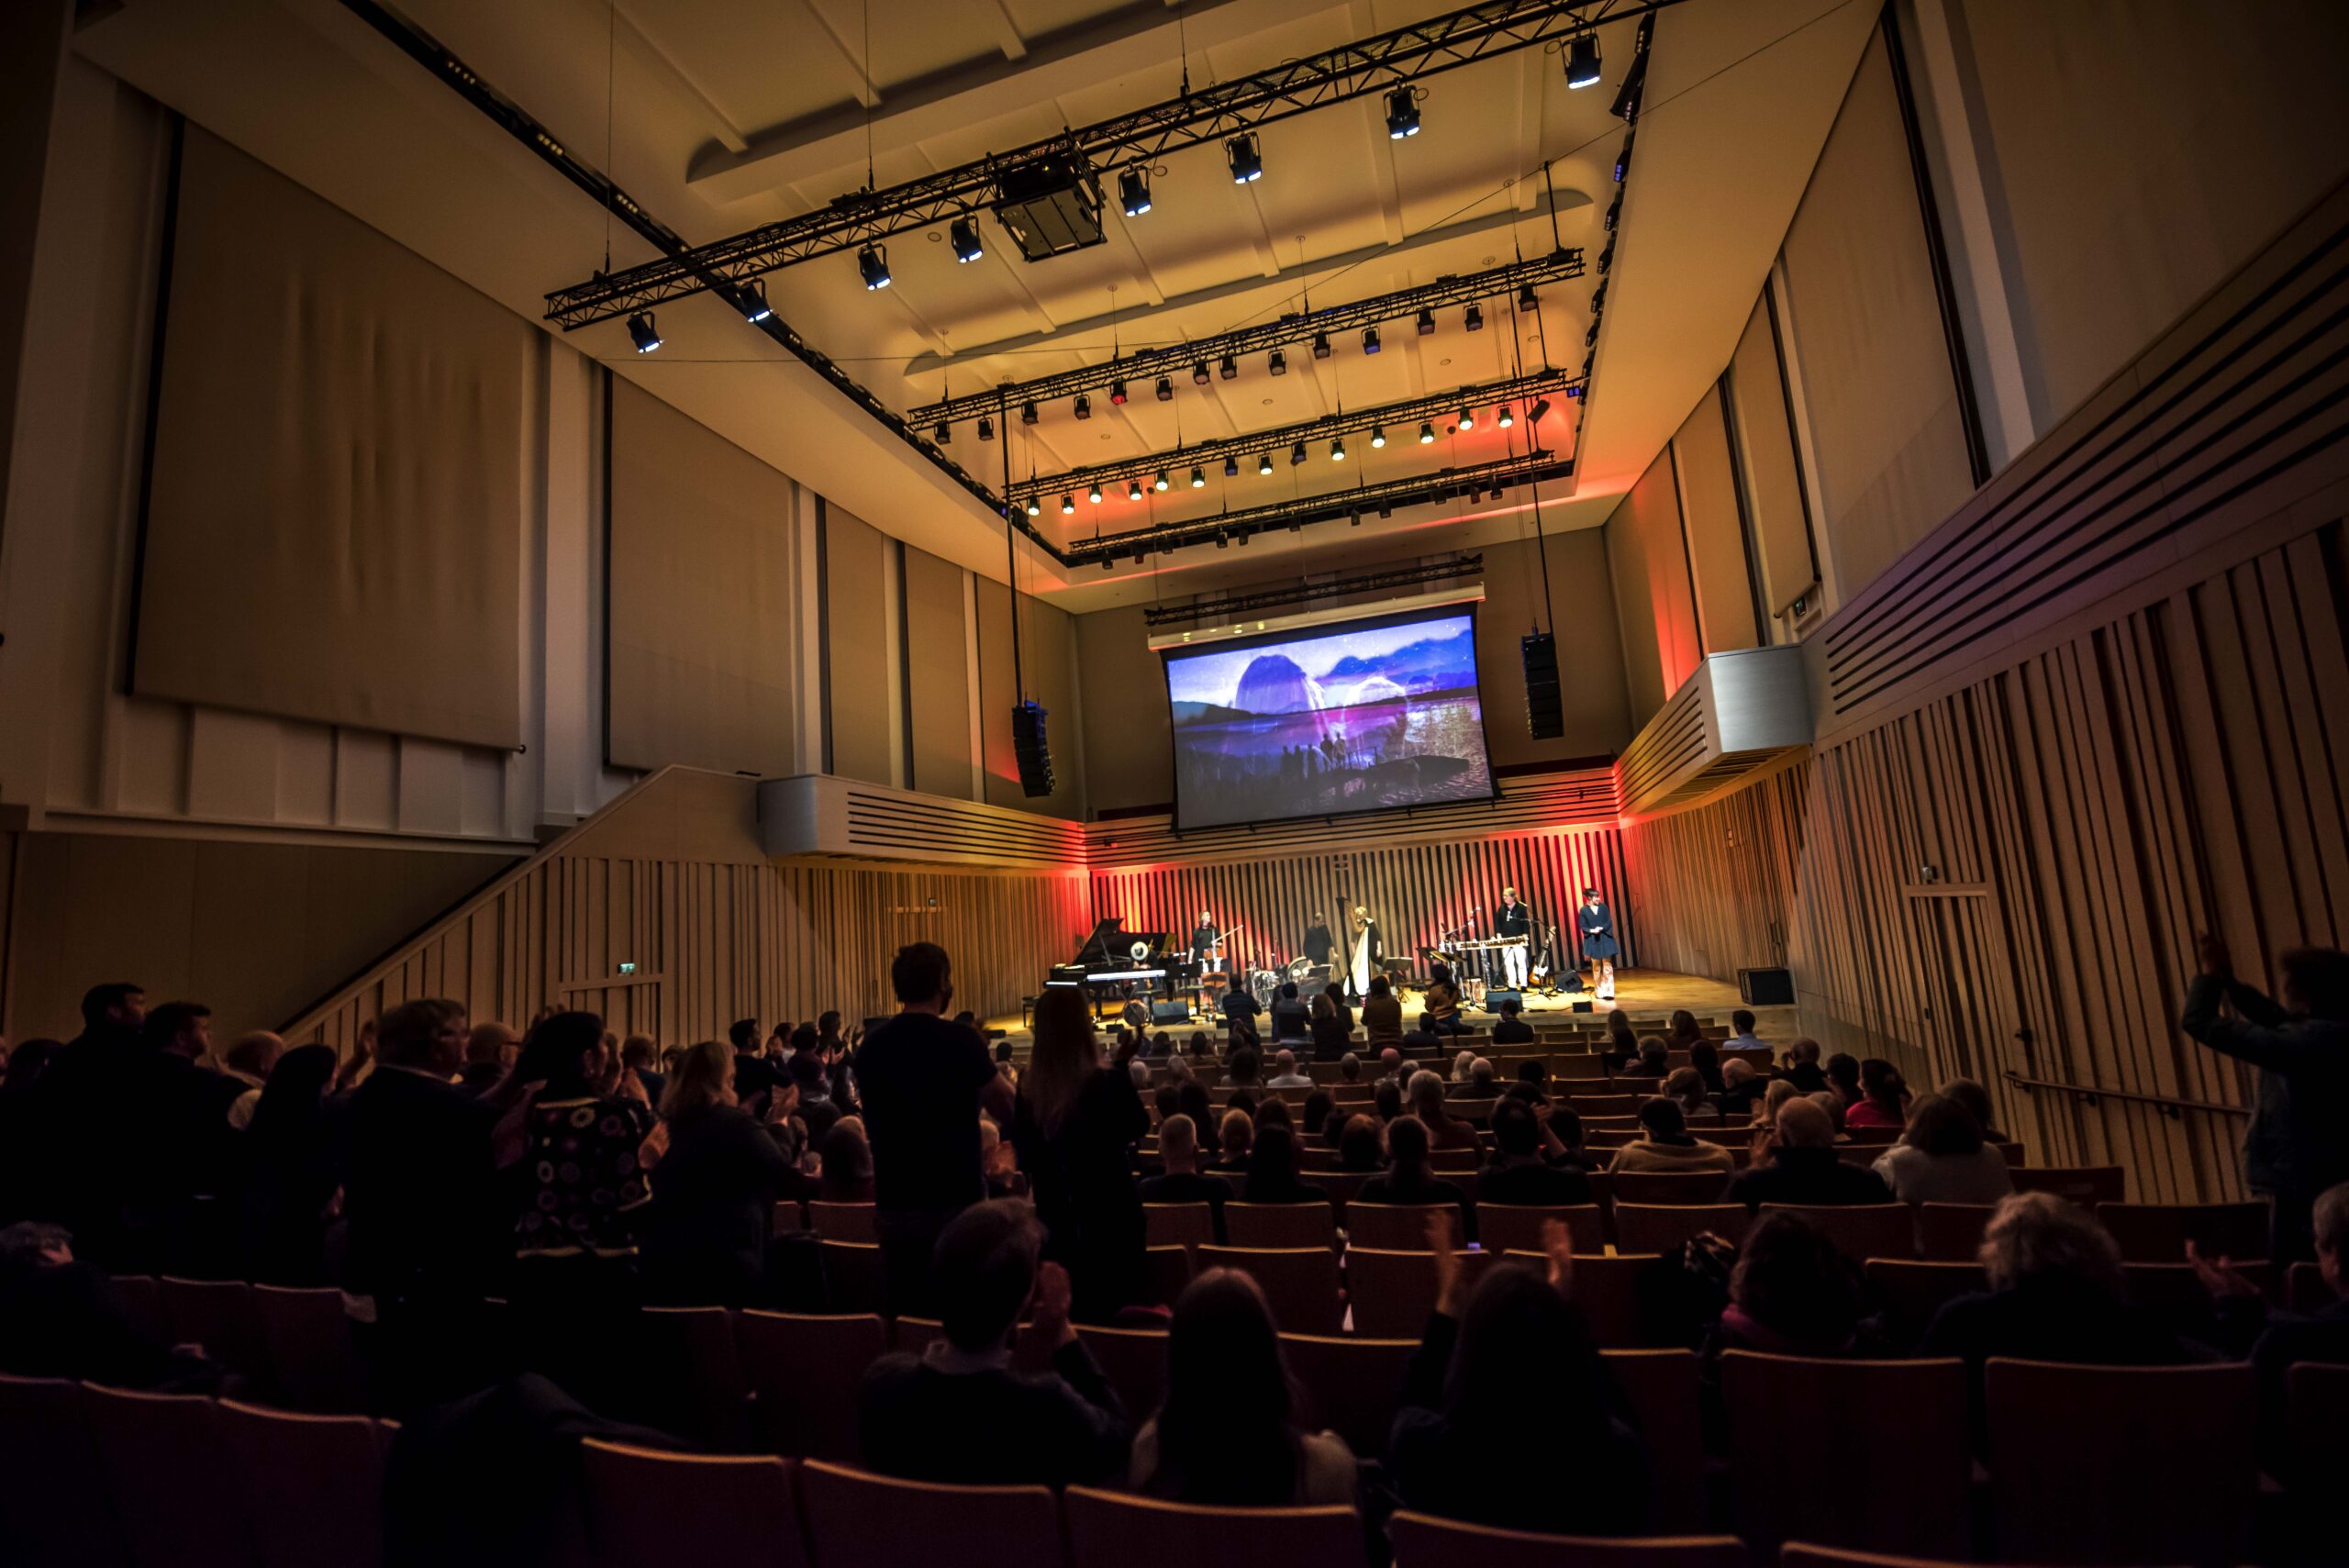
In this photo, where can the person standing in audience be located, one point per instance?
(1227, 1435)
(1382, 1016)
(176, 1141)
(1239, 1007)
(1941, 1158)
(1664, 1144)
(585, 1190)
(290, 1173)
(1884, 1098)
(921, 1077)
(1075, 1131)
(1804, 1168)
(714, 1192)
(490, 1054)
(2277, 1342)
(1289, 1015)
(812, 1086)
(1332, 1033)
(1519, 1174)
(2297, 1143)
(249, 1061)
(958, 1412)
(1507, 1415)
(1182, 1180)
(640, 1055)
(78, 1173)
(1741, 1036)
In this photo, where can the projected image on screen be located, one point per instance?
(1348, 717)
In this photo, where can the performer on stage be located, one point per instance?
(1318, 943)
(1513, 919)
(1599, 945)
(1368, 953)
(1207, 951)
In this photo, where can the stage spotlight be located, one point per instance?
(1223, 542)
(1427, 432)
(1278, 362)
(1133, 191)
(873, 264)
(1467, 421)
(1614, 213)
(1093, 494)
(1142, 558)
(641, 332)
(1118, 392)
(1166, 389)
(1426, 322)
(1474, 317)
(1133, 489)
(1228, 368)
(1035, 507)
(1527, 299)
(1297, 454)
(1598, 298)
(1247, 163)
(1504, 418)
(1068, 505)
(1499, 490)
(1297, 525)
(1028, 415)
(1107, 564)
(1084, 406)
(963, 234)
(1534, 415)
(943, 435)
(1244, 535)
(1230, 466)
(1402, 114)
(1264, 463)
(986, 429)
(1582, 60)
(1623, 158)
(1320, 345)
(1338, 449)
(1198, 480)
(1159, 484)
(1200, 373)
(1590, 338)
(1377, 435)
(754, 302)
(1370, 340)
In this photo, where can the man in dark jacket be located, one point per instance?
(1182, 1181)
(78, 1177)
(1804, 1168)
(960, 1412)
(2297, 1144)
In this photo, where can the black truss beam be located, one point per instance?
(1416, 490)
(453, 73)
(1243, 607)
(1207, 114)
(1461, 288)
(1398, 417)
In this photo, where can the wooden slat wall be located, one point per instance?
(1416, 891)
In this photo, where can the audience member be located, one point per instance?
(1227, 1434)
(1682, 1031)
(170, 1132)
(249, 1061)
(1741, 1036)
(844, 1162)
(1349, 1067)
(1791, 1294)
(921, 1078)
(1804, 1168)
(1235, 1134)
(1317, 1123)
(1387, 1098)
(1272, 1171)
(1331, 1032)
(1884, 1098)
(1382, 1015)
(1706, 1062)
(640, 1055)
(1684, 1088)
(585, 1184)
(1182, 1181)
(1519, 1175)
(1409, 1179)
(1443, 1013)
(1664, 1144)
(1975, 1101)
(2278, 1340)
(1742, 1088)
(1444, 1130)
(1512, 1028)
(490, 1054)
(1360, 1149)
(1842, 1077)
(67, 1319)
(291, 1173)
(958, 1412)
(807, 1076)
(1802, 1066)
(1655, 1056)
(1239, 1006)
(1074, 1131)
(754, 1071)
(1943, 1159)
(1623, 1045)
(714, 1192)
(1284, 1073)
(1289, 1015)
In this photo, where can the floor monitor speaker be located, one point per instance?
(1162, 1012)
(1766, 987)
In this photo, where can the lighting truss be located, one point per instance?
(1457, 289)
(1416, 490)
(1250, 606)
(1520, 389)
(1207, 114)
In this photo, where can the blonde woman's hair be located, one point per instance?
(703, 1077)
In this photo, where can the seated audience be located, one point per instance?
(1884, 1098)
(1802, 1067)
(1349, 1067)
(1791, 1294)
(1272, 1171)
(1227, 1434)
(1289, 1015)
(1182, 1181)
(1706, 1062)
(1382, 1015)
(2275, 1341)
(1444, 1130)
(1655, 1056)
(1780, 1093)
(1664, 1144)
(1360, 1147)
(1843, 1077)
(1943, 1159)
(1684, 1088)
(1508, 1417)
(1392, 1068)
(1682, 1031)
(1740, 1034)
(959, 1412)
(714, 1191)
(1511, 1027)
(1237, 1134)
(844, 1162)
(1742, 1088)
(1387, 1098)
(1284, 1073)
(1318, 1125)
(1460, 1065)
(1975, 1101)
(65, 1319)
(1240, 1070)
(1443, 1013)
(1622, 1046)
(1410, 1178)
(1804, 1168)
(1331, 1030)
(1518, 1173)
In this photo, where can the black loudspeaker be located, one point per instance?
(1766, 987)
(1585, 1006)
(1544, 716)
(1494, 997)
(1170, 1012)
(1035, 756)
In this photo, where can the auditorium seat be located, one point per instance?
(2315, 1397)
(1165, 1271)
(219, 1315)
(142, 1298)
(1423, 1540)
(310, 1486)
(914, 1336)
(2086, 1185)
(1804, 1556)
(1351, 1383)
(1602, 1104)
(1179, 1224)
(788, 1216)
(1279, 1225)
(844, 1221)
(160, 1456)
(2158, 1233)
(313, 1364)
(858, 1519)
(1135, 1360)
(853, 1276)
(805, 1373)
(1952, 1232)
(1579, 1067)
(1859, 1231)
(1660, 1227)
(1341, 1186)
(695, 1383)
(2178, 1293)
(1394, 1292)
(1111, 1529)
(1913, 1291)
(646, 1505)
(2121, 1464)
(1400, 1227)
(54, 1507)
(1301, 1282)
(1661, 1386)
(1892, 1433)
(1668, 1186)
(1517, 1227)
(2305, 1290)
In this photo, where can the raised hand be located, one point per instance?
(1443, 1242)
(2211, 949)
(1559, 1244)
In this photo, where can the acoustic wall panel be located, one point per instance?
(1716, 532)
(938, 675)
(1129, 749)
(1654, 601)
(699, 596)
(859, 652)
(1590, 648)
(1765, 447)
(1047, 661)
(334, 530)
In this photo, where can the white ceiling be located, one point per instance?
(725, 114)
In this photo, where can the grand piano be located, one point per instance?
(1116, 965)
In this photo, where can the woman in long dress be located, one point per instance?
(1597, 923)
(1366, 955)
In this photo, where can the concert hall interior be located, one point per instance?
(1664, 640)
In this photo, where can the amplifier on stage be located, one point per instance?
(1165, 1012)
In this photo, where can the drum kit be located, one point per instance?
(1308, 977)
